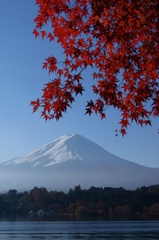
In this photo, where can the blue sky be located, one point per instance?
(21, 80)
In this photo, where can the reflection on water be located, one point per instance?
(140, 230)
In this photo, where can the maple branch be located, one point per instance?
(116, 37)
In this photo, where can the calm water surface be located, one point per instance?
(67, 230)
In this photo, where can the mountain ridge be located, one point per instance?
(74, 160)
(66, 148)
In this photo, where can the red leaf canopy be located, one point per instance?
(119, 39)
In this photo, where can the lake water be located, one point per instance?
(85, 230)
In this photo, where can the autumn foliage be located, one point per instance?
(119, 40)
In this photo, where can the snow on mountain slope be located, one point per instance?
(68, 147)
(72, 160)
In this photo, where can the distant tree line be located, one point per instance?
(103, 203)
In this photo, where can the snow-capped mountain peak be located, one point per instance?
(65, 148)
(71, 160)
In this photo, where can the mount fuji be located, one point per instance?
(73, 160)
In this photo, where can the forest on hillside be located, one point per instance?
(96, 203)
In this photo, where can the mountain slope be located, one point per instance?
(68, 147)
(72, 160)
